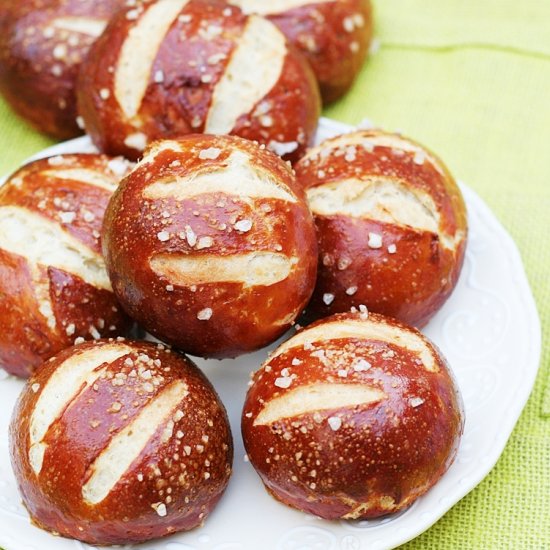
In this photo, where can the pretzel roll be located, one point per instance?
(114, 442)
(173, 67)
(354, 417)
(391, 226)
(334, 36)
(42, 45)
(54, 287)
(210, 245)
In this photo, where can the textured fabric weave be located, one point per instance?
(471, 80)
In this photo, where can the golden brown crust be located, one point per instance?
(42, 45)
(210, 245)
(391, 225)
(53, 283)
(355, 417)
(179, 91)
(180, 469)
(334, 37)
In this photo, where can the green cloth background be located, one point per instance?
(471, 80)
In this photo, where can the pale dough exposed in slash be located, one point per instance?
(42, 241)
(317, 397)
(68, 381)
(158, 147)
(268, 7)
(83, 25)
(139, 51)
(250, 269)
(84, 175)
(41, 290)
(253, 70)
(365, 330)
(125, 447)
(381, 199)
(237, 176)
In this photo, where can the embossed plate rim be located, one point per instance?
(379, 535)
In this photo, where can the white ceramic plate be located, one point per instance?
(490, 332)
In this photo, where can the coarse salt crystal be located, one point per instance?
(419, 158)
(335, 423)
(282, 148)
(60, 51)
(58, 160)
(328, 298)
(361, 365)
(416, 402)
(204, 314)
(160, 509)
(163, 236)
(67, 217)
(243, 226)
(283, 382)
(212, 153)
(205, 242)
(190, 235)
(375, 240)
(392, 249)
(89, 216)
(159, 76)
(351, 290)
(349, 24)
(343, 373)
(35, 387)
(104, 93)
(132, 15)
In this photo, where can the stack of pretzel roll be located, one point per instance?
(212, 219)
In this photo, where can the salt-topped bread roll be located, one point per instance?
(210, 245)
(114, 442)
(54, 287)
(334, 35)
(171, 67)
(42, 44)
(354, 417)
(391, 225)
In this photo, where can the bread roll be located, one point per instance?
(42, 44)
(54, 288)
(354, 417)
(167, 68)
(115, 442)
(334, 36)
(210, 245)
(391, 225)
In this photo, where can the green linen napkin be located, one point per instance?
(471, 80)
